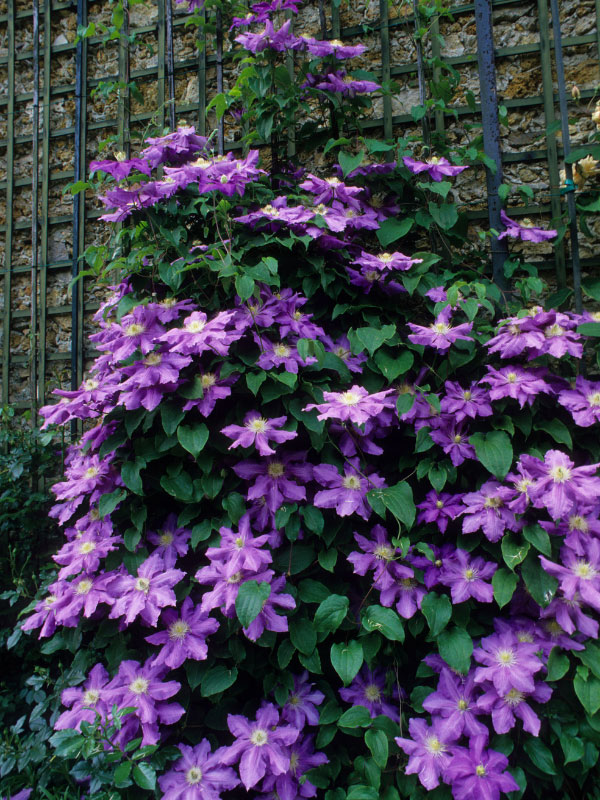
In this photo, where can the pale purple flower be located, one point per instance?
(174, 148)
(505, 708)
(559, 484)
(346, 493)
(257, 431)
(185, 635)
(278, 478)
(466, 576)
(568, 615)
(407, 595)
(198, 334)
(355, 404)
(326, 189)
(81, 597)
(269, 38)
(477, 773)
(120, 168)
(516, 334)
(226, 582)
(260, 745)
(454, 701)
(280, 354)
(198, 775)
(171, 542)
(327, 47)
(300, 708)
(487, 510)
(472, 402)
(440, 508)
(583, 402)
(341, 82)
(436, 167)
(213, 388)
(84, 553)
(453, 438)
(267, 618)
(514, 381)
(579, 573)
(145, 594)
(368, 690)
(440, 334)
(24, 794)
(379, 556)
(524, 230)
(507, 663)
(293, 784)
(429, 750)
(138, 330)
(44, 613)
(241, 550)
(341, 348)
(84, 703)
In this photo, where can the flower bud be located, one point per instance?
(587, 166)
(575, 92)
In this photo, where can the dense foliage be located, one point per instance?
(332, 528)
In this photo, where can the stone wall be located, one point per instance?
(519, 84)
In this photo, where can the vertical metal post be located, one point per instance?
(551, 146)
(421, 75)
(221, 122)
(289, 63)
(436, 53)
(10, 144)
(124, 76)
(43, 272)
(598, 26)
(202, 80)
(161, 62)
(34, 212)
(170, 64)
(335, 19)
(566, 142)
(491, 131)
(384, 32)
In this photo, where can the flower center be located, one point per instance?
(480, 770)
(195, 326)
(259, 737)
(168, 302)
(153, 360)
(434, 746)
(351, 482)
(142, 585)
(373, 693)
(524, 636)
(84, 586)
(294, 700)
(270, 210)
(207, 380)
(91, 472)
(178, 630)
(439, 504)
(257, 425)
(554, 330)
(511, 377)
(514, 697)
(193, 776)
(342, 353)
(385, 258)
(282, 350)
(492, 502)
(90, 385)
(506, 658)
(333, 181)
(294, 761)
(440, 327)
(462, 704)
(86, 547)
(578, 523)
(433, 160)
(560, 474)
(349, 398)
(594, 399)
(470, 574)
(139, 686)
(523, 485)
(526, 223)
(297, 315)
(275, 469)
(371, 276)
(166, 538)
(235, 578)
(91, 697)
(383, 552)
(457, 438)
(584, 570)
(407, 584)
(239, 542)
(135, 329)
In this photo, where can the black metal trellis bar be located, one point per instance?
(566, 142)
(384, 33)
(33, 378)
(219, 43)
(43, 271)
(9, 205)
(124, 133)
(77, 202)
(170, 62)
(491, 131)
(202, 79)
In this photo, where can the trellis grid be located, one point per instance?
(40, 358)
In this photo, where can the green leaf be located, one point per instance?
(540, 755)
(122, 772)
(573, 748)
(504, 583)
(513, 551)
(244, 286)
(393, 229)
(349, 162)
(331, 612)
(390, 367)
(456, 647)
(303, 635)
(591, 657)
(327, 559)
(250, 600)
(355, 717)
(398, 499)
(217, 680)
(347, 659)
(108, 502)
(444, 215)
(556, 429)
(130, 473)
(377, 742)
(193, 437)
(495, 452)
(145, 776)
(541, 586)
(589, 329)
(66, 743)
(179, 486)
(313, 519)
(254, 380)
(558, 664)
(171, 416)
(384, 620)
(437, 610)
(588, 692)
(372, 338)
(538, 537)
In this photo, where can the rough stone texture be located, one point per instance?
(519, 78)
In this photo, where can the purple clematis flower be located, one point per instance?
(454, 701)
(83, 554)
(355, 405)
(213, 388)
(477, 773)
(145, 594)
(199, 334)
(241, 550)
(84, 704)
(267, 619)
(508, 663)
(198, 775)
(440, 508)
(368, 690)
(487, 509)
(346, 493)
(326, 189)
(280, 354)
(514, 381)
(386, 261)
(171, 542)
(185, 635)
(436, 167)
(460, 403)
(453, 438)
(341, 348)
(524, 230)
(290, 784)
(466, 576)
(578, 574)
(277, 478)
(505, 708)
(258, 431)
(121, 168)
(429, 750)
(300, 708)
(226, 584)
(583, 402)
(379, 555)
(260, 745)
(559, 485)
(440, 334)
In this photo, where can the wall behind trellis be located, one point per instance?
(43, 342)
